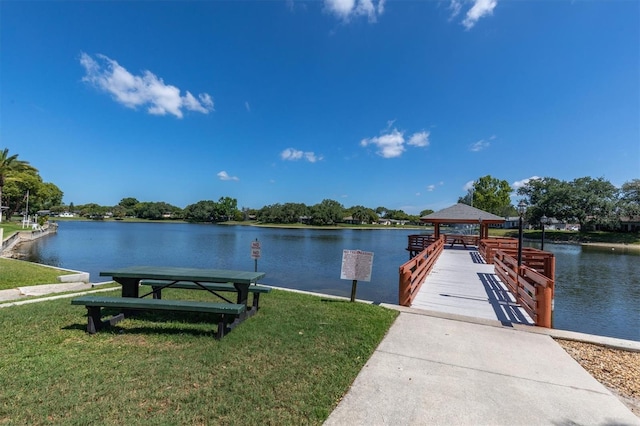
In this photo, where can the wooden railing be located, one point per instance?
(533, 289)
(415, 271)
(417, 243)
(489, 246)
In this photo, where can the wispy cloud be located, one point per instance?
(479, 9)
(347, 9)
(247, 106)
(482, 144)
(520, 183)
(146, 89)
(432, 187)
(291, 154)
(419, 139)
(225, 176)
(469, 185)
(392, 143)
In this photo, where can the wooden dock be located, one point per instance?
(462, 283)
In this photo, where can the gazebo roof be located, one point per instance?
(462, 213)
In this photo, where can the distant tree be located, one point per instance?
(489, 194)
(593, 202)
(381, 211)
(129, 204)
(10, 165)
(630, 198)
(328, 212)
(362, 214)
(226, 209)
(202, 211)
(396, 215)
(426, 212)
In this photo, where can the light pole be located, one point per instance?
(522, 207)
(543, 220)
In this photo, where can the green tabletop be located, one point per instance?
(185, 274)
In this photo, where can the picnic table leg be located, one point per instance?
(243, 296)
(130, 286)
(94, 323)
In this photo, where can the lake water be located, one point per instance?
(597, 290)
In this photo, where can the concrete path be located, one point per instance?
(430, 370)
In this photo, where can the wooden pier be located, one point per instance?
(462, 283)
(484, 282)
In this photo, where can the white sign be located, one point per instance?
(356, 265)
(255, 249)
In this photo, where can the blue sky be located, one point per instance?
(378, 103)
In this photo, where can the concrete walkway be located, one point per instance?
(435, 370)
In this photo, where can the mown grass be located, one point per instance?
(17, 273)
(289, 364)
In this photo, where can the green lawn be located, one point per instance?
(289, 364)
(16, 273)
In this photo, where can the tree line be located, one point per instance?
(593, 203)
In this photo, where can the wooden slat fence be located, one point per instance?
(417, 243)
(415, 271)
(534, 290)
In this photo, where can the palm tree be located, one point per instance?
(8, 166)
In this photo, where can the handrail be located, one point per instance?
(415, 271)
(533, 290)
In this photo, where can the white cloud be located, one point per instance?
(346, 9)
(225, 176)
(392, 143)
(430, 188)
(144, 90)
(291, 154)
(480, 145)
(455, 6)
(479, 9)
(419, 139)
(247, 106)
(469, 185)
(520, 183)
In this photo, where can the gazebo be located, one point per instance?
(462, 214)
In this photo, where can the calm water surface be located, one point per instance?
(597, 290)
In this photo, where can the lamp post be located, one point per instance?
(543, 220)
(521, 209)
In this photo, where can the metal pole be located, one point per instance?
(354, 284)
(520, 242)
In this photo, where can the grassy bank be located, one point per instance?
(573, 237)
(289, 364)
(16, 273)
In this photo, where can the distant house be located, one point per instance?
(384, 221)
(630, 224)
(67, 214)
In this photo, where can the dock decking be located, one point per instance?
(462, 283)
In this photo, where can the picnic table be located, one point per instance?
(211, 280)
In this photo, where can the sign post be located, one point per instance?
(356, 265)
(255, 253)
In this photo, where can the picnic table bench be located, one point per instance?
(159, 285)
(225, 280)
(227, 312)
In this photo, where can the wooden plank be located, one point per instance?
(159, 304)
